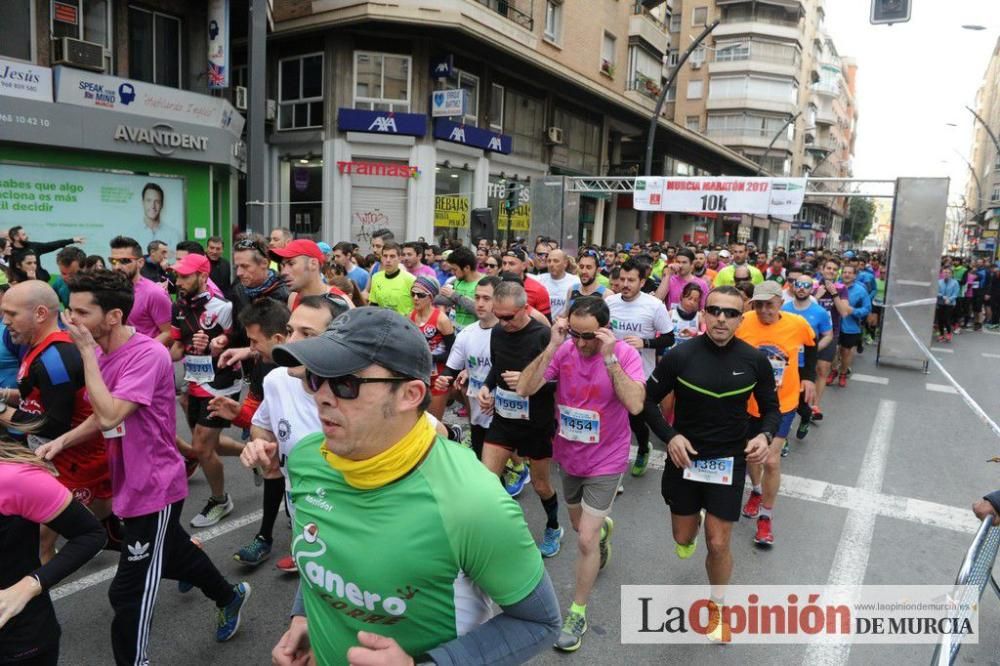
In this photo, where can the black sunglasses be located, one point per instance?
(715, 311)
(124, 262)
(419, 294)
(493, 265)
(250, 244)
(346, 387)
(590, 335)
(506, 317)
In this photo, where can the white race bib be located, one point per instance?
(474, 386)
(779, 371)
(713, 470)
(198, 369)
(510, 405)
(579, 425)
(117, 431)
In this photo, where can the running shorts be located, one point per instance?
(785, 424)
(527, 441)
(595, 493)
(687, 498)
(849, 340)
(198, 414)
(87, 478)
(827, 353)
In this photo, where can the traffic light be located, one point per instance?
(510, 203)
(890, 11)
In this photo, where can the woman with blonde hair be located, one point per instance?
(30, 496)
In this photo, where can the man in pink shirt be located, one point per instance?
(672, 286)
(600, 381)
(131, 391)
(151, 306)
(412, 252)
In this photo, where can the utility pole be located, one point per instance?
(791, 119)
(255, 116)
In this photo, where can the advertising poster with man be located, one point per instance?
(52, 204)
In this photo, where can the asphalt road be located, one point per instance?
(877, 494)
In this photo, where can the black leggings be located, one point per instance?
(48, 658)
(943, 315)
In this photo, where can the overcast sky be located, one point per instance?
(913, 79)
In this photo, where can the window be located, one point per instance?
(154, 41)
(695, 89)
(553, 21)
(89, 20)
(673, 57)
(700, 16)
(581, 141)
(671, 93)
(698, 57)
(608, 54)
(300, 92)
(753, 87)
(470, 84)
(524, 120)
(381, 81)
(745, 124)
(675, 22)
(693, 123)
(16, 30)
(645, 71)
(496, 107)
(996, 163)
(996, 193)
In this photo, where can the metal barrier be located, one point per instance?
(976, 570)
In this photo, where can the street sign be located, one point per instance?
(447, 103)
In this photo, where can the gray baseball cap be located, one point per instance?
(766, 290)
(359, 338)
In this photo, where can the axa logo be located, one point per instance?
(138, 552)
(457, 135)
(495, 145)
(383, 124)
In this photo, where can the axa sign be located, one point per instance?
(381, 122)
(469, 135)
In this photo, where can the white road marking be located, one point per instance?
(108, 573)
(851, 559)
(871, 379)
(942, 388)
(988, 355)
(943, 350)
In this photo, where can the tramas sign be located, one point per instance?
(722, 194)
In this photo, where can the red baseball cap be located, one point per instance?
(192, 263)
(301, 247)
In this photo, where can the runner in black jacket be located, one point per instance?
(712, 377)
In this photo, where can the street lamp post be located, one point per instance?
(654, 119)
(791, 119)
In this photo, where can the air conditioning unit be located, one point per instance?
(271, 110)
(554, 135)
(240, 99)
(78, 53)
(696, 64)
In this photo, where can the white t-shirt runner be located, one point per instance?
(643, 317)
(288, 412)
(558, 290)
(471, 352)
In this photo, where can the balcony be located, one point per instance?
(750, 138)
(749, 58)
(644, 90)
(645, 26)
(773, 106)
(777, 29)
(826, 116)
(827, 88)
(518, 11)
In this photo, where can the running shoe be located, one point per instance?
(817, 414)
(843, 380)
(254, 553)
(763, 537)
(802, 430)
(605, 544)
(190, 466)
(621, 489)
(287, 565)
(551, 542)
(940, 338)
(228, 618)
(832, 378)
(213, 512)
(640, 464)
(571, 637)
(947, 338)
(454, 432)
(784, 450)
(515, 480)
(685, 551)
(462, 412)
(720, 632)
(752, 507)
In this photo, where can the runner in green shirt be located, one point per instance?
(461, 294)
(391, 285)
(402, 538)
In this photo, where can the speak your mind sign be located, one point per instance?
(753, 196)
(52, 204)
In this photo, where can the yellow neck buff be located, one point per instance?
(391, 464)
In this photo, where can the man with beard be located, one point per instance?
(199, 317)
(151, 309)
(20, 246)
(301, 264)
(586, 271)
(515, 260)
(701, 269)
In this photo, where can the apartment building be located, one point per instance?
(982, 191)
(765, 62)
(104, 105)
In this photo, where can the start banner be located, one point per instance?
(721, 194)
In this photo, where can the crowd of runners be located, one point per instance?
(418, 389)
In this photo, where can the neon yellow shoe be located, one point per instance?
(686, 551)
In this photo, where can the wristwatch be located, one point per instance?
(610, 361)
(769, 436)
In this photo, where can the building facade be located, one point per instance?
(982, 191)
(107, 127)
